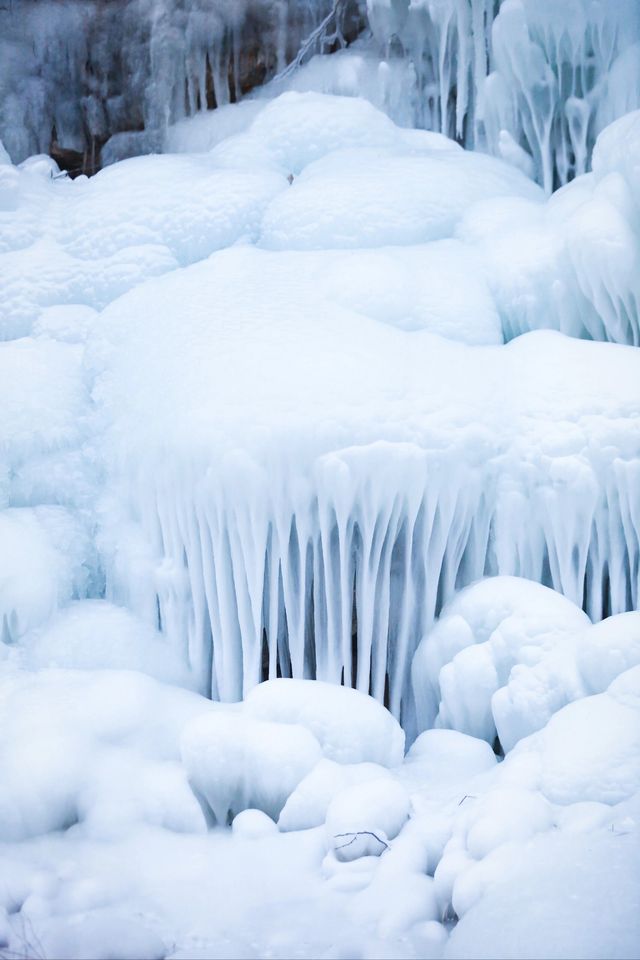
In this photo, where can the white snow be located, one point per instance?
(500, 661)
(364, 817)
(312, 448)
(578, 906)
(608, 649)
(307, 806)
(236, 763)
(45, 558)
(350, 727)
(96, 635)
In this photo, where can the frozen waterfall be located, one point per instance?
(305, 385)
(81, 76)
(532, 81)
(319, 479)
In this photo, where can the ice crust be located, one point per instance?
(288, 451)
(266, 436)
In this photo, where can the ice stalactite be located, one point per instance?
(81, 77)
(528, 80)
(299, 478)
(338, 577)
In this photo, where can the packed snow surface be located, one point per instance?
(320, 538)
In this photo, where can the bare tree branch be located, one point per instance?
(320, 37)
(359, 833)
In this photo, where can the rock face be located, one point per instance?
(93, 81)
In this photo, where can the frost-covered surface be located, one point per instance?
(532, 81)
(326, 403)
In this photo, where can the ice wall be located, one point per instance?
(339, 576)
(531, 80)
(78, 74)
(295, 488)
(270, 382)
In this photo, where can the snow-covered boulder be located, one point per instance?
(308, 804)
(499, 632)
(235, 762)
(349, 726)
(363, 818)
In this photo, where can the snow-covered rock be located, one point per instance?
(308, 804)
(236, 763)
(500, 660)
(363, 818)
(350, 727)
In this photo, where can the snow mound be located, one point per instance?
(308, 804)
(350, 727)
(236, 763)
(298, 129)
(253, 825)
(45, 560)
(589, 750)
(374, 197)
(500, 660)
(441, 756)
(98, 748)
(608, 649)
(96, 635)
(579, 907)
(204, 208)
(86, 242)
(362, 818)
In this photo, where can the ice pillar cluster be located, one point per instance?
(283, 398)
(531, 80)
(85, 76)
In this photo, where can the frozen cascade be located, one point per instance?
(310, 416)
(305, 430)
(533, 81)
(342, 587)
(307, 537)
(78, 76)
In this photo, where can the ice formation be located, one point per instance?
(319, 525)
(98, 82)
(287, 573)
(532, 81)
(320, 443)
